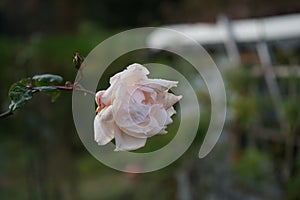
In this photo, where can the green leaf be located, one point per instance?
(46, 79)
(54, 95)
(45, 89)
(45, 82)
(53, 92)
(19, 94)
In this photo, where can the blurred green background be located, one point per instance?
(42, 157)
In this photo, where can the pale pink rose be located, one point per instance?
(133, 108)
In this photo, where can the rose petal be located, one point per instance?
(98, 97)
(126, 112)
(128, 125)
(103, 127)
(106, 114)
(159, 119)
(155, 123)
(159, 84)
(137, 113)
(150, 95)
(125, 142)
(109, 94)
(159, 114)
(162, 131)
(134, 73)
(136, 95)
(171, 111)
(127, 116)
(169, 99)
(139, 130)
(112, 92)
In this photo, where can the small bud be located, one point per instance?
(68, 84)
(77, 60)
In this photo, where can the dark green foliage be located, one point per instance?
(46, 79)
(53, 92)
(21, 92)
(45, 83)
(254, 167)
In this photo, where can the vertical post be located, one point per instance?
(270, 77)
(183, 185)
(273, 87)
(230, 42)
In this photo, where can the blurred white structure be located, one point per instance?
(225, 37)
(248, 30)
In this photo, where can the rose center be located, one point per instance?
(147, 99)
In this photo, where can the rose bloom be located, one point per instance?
(133, 108)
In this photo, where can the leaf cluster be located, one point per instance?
(22, 91)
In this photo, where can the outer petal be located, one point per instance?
(126, 142)
(107, 114)
(171, 111)
(135, 73)
(169, 99)
(104, 127)
(130, 76)
(160, 115)
(162, 132)
(159, 84)
(109, 94)
(98, 97)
